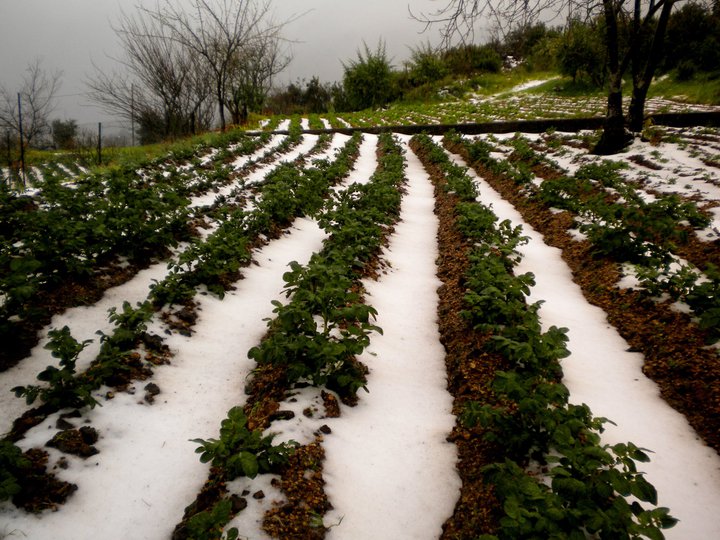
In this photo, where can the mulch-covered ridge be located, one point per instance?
(470, 371)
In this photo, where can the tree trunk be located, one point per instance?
(641, 83)
(614, 137)
(636, 113)
(221, 103)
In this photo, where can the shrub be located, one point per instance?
(368, 81)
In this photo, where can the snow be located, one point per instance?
(529, 84)
(84, 322)
(147, 471)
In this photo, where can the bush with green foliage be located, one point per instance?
(368, 81)
(470, 59)
(425, 66)
(693, 40)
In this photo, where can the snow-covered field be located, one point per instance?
(389, 470)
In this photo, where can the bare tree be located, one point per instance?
(633, 41)
(166, 81)
(458, 19)
(217, 31)
(251, 75)
(35, 104)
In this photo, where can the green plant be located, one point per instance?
(704, 300)
(575, 488)
(572, 508)
(242, 452)
(64, 388)
(130, 323)
(209, 524)
(320, 331)
(368, 80)
(12, 462)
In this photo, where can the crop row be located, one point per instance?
(313, 339)
(620, 223)
(553, 477)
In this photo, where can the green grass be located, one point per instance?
(565, 87)
(441, 99)
(130, 156)
(704, 88)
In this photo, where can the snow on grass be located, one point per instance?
(147, 471)
(602, 373)
(389, 470)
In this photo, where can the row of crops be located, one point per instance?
(532, 463)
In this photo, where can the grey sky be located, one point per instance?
(69, 35)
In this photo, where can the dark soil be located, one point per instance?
(78, 442)
(40, 490)
(300, 516)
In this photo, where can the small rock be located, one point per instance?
(89, 435)
(238, 503)
(259, 495)
(325, 429)
(63, 424)
(151, 390)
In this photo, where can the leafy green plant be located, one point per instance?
(320, 331)
(64, 388)
(209, 524)
(704, 300)
(242, 452)
(572, 508)
(12, 462)
(577, 488)
(130, 323)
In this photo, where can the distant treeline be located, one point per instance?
(576, 50)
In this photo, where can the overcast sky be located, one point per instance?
(69, 35)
